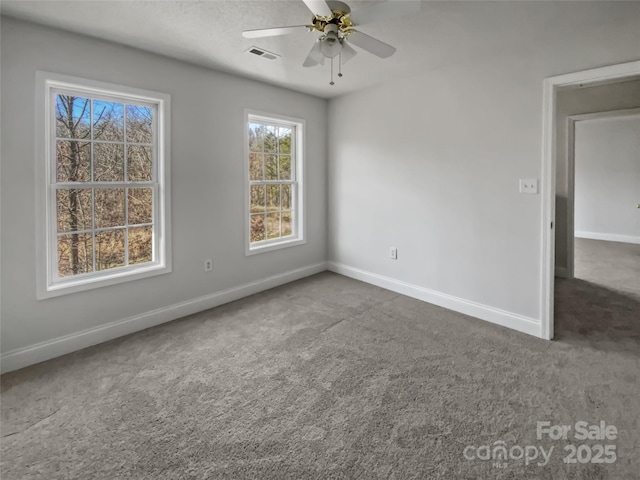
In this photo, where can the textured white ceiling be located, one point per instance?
(209, 33)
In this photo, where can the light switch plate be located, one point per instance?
(528, 185)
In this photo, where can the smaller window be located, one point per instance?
(274, 182)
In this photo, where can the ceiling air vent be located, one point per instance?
(262, 53)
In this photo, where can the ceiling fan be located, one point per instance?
(333, 19)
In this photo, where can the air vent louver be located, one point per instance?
(262, 53)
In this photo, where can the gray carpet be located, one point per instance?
(329, 378)
(613, 265)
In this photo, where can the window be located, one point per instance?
(105, 189)
(274, 167)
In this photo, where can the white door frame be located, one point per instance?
(550, 87)
(571, 172)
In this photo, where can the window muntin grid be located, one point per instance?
(111, 184)
(273, 181)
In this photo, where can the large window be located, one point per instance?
(106, 186)
(274, 181)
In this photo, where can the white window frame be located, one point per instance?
(48, 283)
(298, 203)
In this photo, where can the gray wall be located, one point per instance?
(207, 181)
(576, 101)
(430, 164)
(607, 179)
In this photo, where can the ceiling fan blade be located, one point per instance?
(347, 52)
(315, 56)
(371, 45)
(319, 8)
(271, 32)
(385, 11)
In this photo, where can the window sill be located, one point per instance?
(269, 247)
(90, 283)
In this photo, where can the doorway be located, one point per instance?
(603, 227)
(551, 129)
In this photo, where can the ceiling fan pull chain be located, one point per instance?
(331, 82)
(340, 65)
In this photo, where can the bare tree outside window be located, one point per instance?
(104, 173)
(271, 181)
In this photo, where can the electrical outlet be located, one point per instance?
(528, 185)
(208, 265)
(393, 253)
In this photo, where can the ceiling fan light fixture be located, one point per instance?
(330, 45)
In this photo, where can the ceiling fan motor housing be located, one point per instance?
(340, 18)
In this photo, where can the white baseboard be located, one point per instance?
(608, 237)
(483, 312)
(22, 357)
